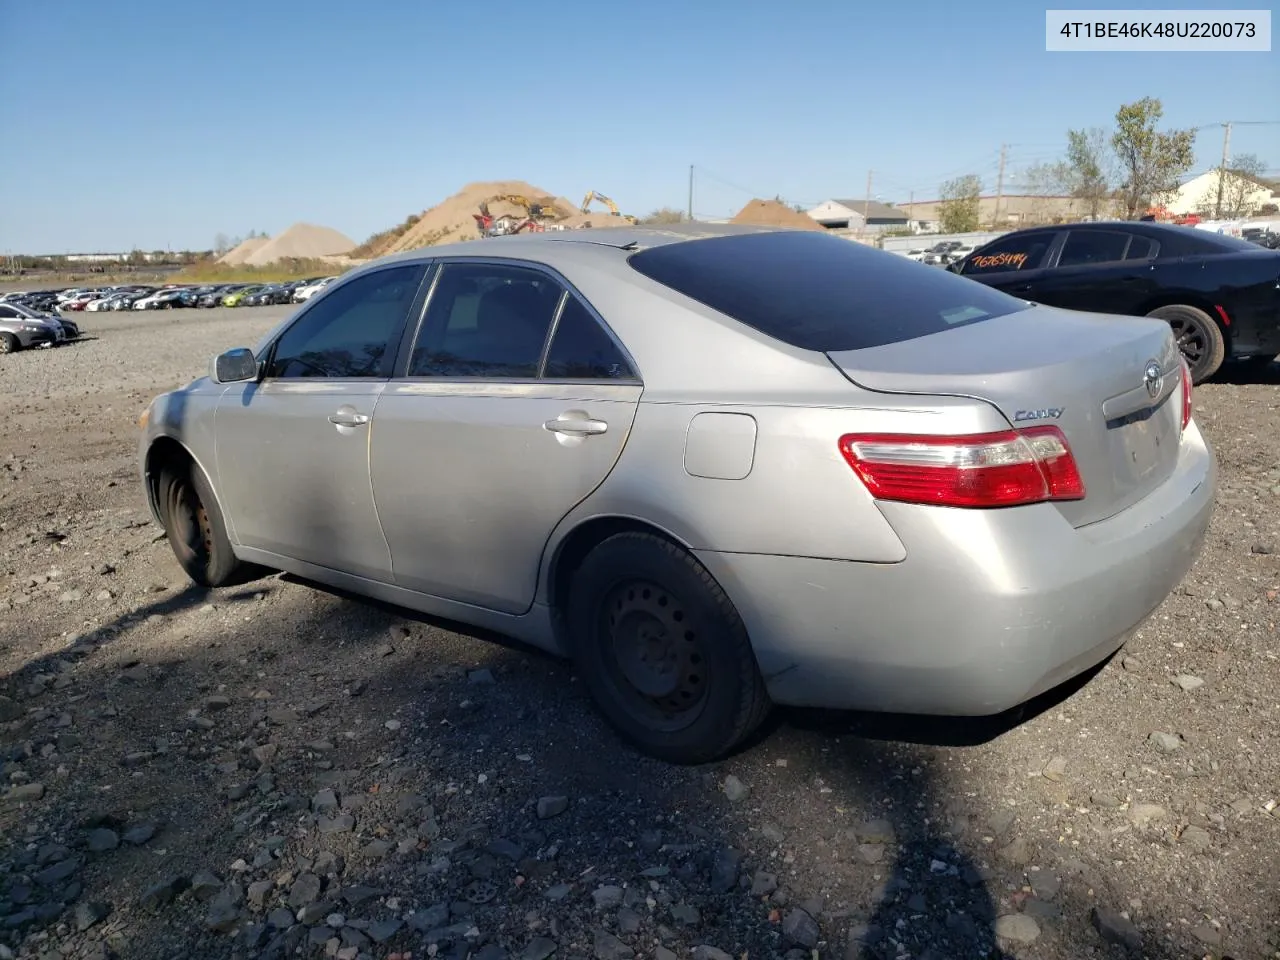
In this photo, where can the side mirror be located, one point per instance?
(235, 366)
(955, 266)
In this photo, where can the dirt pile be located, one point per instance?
(243, 250)
(453, 219)
(771, 213)
(302, 241)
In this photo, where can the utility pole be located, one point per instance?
(866, 206)
(1222, 170)
(995, 217)
(691, 192)
(911, 202)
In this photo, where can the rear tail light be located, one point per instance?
(1186, 394)
(1003, 469)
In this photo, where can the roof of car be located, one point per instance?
(620, 238)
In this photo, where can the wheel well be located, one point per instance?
(581, 541)
(165, 452)
(1184, 300)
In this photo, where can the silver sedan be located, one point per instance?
(718, 468)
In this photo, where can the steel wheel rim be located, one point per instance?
(1191, 338)
(654, 658)
(191, 523)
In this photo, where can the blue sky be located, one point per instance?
(160, 124)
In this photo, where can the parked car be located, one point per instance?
(306, 292)
(67, 329)
(236, 297)
(19, 332)
(720, 467)
(1218, 293)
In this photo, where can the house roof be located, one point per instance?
(875, 209)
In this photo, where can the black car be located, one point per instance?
(1220, 294)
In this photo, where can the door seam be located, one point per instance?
(373, 495)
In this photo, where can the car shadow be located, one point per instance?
(1247, 373)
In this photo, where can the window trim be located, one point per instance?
(401, 370)
(269, 353)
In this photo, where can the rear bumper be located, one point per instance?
(989, 608)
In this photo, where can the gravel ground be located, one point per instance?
(273, 771)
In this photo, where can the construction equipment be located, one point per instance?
(536, 213)
(613, 207)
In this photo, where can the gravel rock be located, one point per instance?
(1017, 927)
(539, 948)
(1144, 813)
(800, 928)
(1115, 928)
(608, 947)
(139, 835)
(1196, 838)
(102, 840)
(735, 789)
(549, 807)
(89, 912)
(305, 890)
(706, 952)
(607, 896)
(26, 792)
(724, 870)
(1187, 682)
(380, 931)
(1166, 742)
(205, 884)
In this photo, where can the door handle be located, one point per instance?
(575, 426)
(348, 419)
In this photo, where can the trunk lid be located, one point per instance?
(1084, 373)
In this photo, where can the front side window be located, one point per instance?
(352, 331)
(486, 320)
(1084, 247)
(1019, 252)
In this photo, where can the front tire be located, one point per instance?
(1199, 338)
(194, 525)
(662, 650)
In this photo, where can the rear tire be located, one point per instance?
(662, 650)
(9, 343)
(1199, 338)
(194, 525)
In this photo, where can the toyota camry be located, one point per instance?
(719, 468)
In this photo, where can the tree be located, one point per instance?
(1088, 168)
(1152, 161)
(958, 212)
(1240, 185)
(221, 244)
(665, 215)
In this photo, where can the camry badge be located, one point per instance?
(1153, 379)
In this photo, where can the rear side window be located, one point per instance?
(1140, 248)
(1084, 247)
(582, 350)
(818, 292)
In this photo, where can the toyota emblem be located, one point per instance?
(1153, 379)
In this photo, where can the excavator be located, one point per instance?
(613, 207)
(536, 213)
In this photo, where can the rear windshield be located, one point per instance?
(819, 292)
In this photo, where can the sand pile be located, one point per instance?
(241, 251)
(302, 241)
(452, 220)
(771, 213)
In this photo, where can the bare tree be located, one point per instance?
(221, 244)
(958, 212)
(1242, 188)
(665, 215)
(1151, 160)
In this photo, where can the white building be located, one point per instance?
(858, 215)
(1241, 195)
